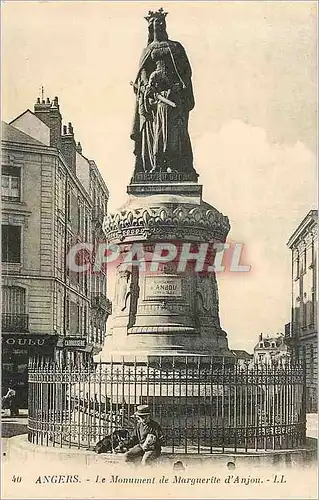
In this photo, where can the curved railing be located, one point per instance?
(202, 407)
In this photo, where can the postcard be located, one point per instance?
(159, 249)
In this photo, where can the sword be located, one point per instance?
(159, 96)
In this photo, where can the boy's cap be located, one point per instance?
(143, 410)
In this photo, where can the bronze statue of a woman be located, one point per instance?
(164, 98)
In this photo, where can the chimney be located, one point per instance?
(42, 111)
(49, 113)
(56, 124)
(79, 148)
(69, 146)
(260, 336)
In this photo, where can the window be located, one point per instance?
(304, 310)
(11, 243)
(60, 251)
(78, 276)
(76, 313)
(313, 252)
(304, 260)
(67, 314)
(14, 318)
(67, 250)
(311, 362)
(68, 207)
(303, 353)
(296, 315)
(13, 300)
(313, 307)
(86, 228)
(10, 183)
(80, 325)
(84, 320)
(59, 311)
(60, 193)
(74, 318)
(79, 217)
(296, 267)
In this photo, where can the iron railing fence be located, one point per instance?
(202, 408)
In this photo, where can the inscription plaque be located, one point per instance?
(162, 286)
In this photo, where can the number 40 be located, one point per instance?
(16, 479)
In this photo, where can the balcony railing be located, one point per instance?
(15, 322)
(100, 301)
(292, 330)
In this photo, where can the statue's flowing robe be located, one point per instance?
(185, 104)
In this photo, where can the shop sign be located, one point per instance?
(24, 341)
(72, 342)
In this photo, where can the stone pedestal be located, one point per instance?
(170, 311)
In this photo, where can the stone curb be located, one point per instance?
(20, 446)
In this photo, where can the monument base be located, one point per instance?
(173, 310)
(167, 348)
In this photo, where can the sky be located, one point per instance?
(253, 128)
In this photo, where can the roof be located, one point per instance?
(20, 115)
(268, 341)
(239, 353)
(12, 134)
(311, 217)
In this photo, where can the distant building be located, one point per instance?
(242, 358)
(270, 348)
(302, 331)
(52, 198)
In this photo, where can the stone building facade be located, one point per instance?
(243, 358)
(302, 331)
(270, 349)
(49, 203)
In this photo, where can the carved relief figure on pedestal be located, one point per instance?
(127, 293)
(122, 289)
(207, 295)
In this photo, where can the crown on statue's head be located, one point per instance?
(159, 14)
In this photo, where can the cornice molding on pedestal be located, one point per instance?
(168, 222)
